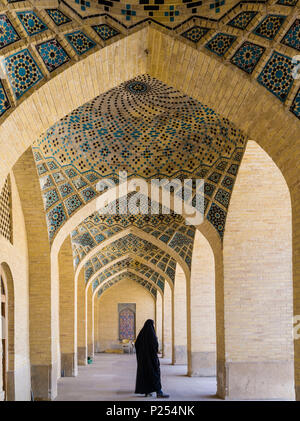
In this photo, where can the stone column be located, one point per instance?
(90, 321)
(96, 324)
(81, 320)
(67, 310)
(258, 287)
(43, 283)
(158, 321)
(179, 316)
(167, 322)
(202, 356)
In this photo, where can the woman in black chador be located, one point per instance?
(148, 367)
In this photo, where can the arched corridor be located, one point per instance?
(149, 169)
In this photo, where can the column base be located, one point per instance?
(10, 386)
(256, 380)
(91, 350)
(2, 395)
(82, 355)
(202, 364)
(41, 382)
(179, 355)
(69, 365)
(297, 393)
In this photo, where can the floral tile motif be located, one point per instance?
(66, 189)
(52, 54)
(292, 37)
(31, 22)
(105, 31)
(23, 72)
(276, 76)
(50, 198)
(295, 108)
(88, 194)
(8, 34)
(4, 102)
(58, 17)
(228, 182)
(269, 26)
(223, 197)
(72, 203)
(80, 42)
(217, 218)
(242, 20)
(220, 43)
(247, 56)
(195, 33)
(55, 218)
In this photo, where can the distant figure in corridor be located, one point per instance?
(148, 366)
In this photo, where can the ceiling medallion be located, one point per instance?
(137, 87)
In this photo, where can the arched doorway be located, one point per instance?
(258, 283)
(7, 337)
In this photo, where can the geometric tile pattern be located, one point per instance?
(217, 217)
(131, 276)
(220, 43)
(195, 33)
(126, 264)
(170, 229)
(292, 37)
(130, 243)
(276, 76)
(163, 11)
(247, 56)
(4, 102)
(8, 34)
(269, 26)
(52, 54)
(58, 17)
(177, 15)
(223, 197)
(55, 218)
(31, 22)
(295, 108)
(291, 3)
(105, 31)
(242, 20)
(22, 71)
(5, 211)
(124, 133)
(80, 42)
(215, 4)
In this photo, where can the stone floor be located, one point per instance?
(111, 377)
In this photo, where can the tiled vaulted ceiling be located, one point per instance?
(148, 129)
(130, 243)
(132, 265)
(44, 39)
(39, 41)
(164, 11)
(128, 275)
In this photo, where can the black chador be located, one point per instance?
(148, 366)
